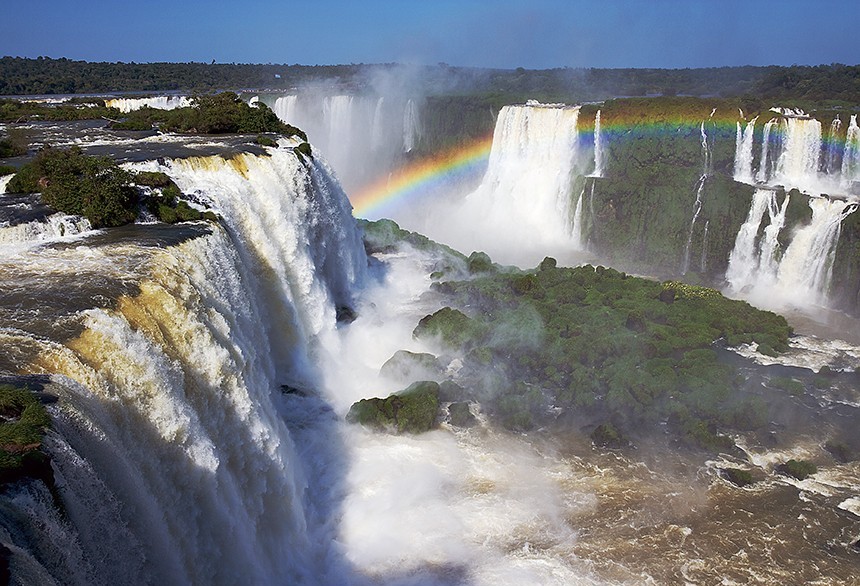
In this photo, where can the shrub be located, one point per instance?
(799, 469)
(74, 183)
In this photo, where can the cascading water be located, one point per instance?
(832, 165)
(697, 205)
(598, 147)
(799, 276)
(851, 156)
(525, 193)
(763, 170)
(171, 453)
(381, 128)
(4, 181)
(744, 152)
(126, 105)
(411, 127)
(798, 162)
(284, 108)
(753, 260)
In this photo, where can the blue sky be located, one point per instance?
(534, 34)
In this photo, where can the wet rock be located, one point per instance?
(409, 366)
(412, 410)
(460, 415)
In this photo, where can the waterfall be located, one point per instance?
(598, 147)
(703, 265)
(285, 108)
(170, 447)
(4, 181)
(806, 267)
(800, 276)
(54, 227)
(524, 199)
(126, 105)
(697, 205)
(576, 234)
(744, 152)
(851, 155)
(411, 126)
(797, 165)
(377, 133)
(832, 163)
(363, 138)
(763, 171)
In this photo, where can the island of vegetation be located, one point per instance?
(23, 421)
(592, 343)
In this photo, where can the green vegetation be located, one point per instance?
(606, 436)
(593, 341)
(412, 410)
(14, 145)
(738, 476)
(19, 76)
(100, 190)
(17, 111)
(266, 141)
(74, 183)
(223, 113)
(799, 469)
(23, 421)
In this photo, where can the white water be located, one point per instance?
(851, 156)
(763, 171)
(174, 458)
(362, 137)
(54, 227)
(523, 209)
(598, 147)
(126, 105)
(4, 181)
(800, 275)
(697, 204)
(744, 149)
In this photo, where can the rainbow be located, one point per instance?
(420, 177)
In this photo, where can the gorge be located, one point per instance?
(202, 371)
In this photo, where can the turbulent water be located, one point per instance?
(202, 379)
(126, 105)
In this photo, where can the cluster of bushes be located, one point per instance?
(592, 340)
(221, 113)
(17, 111)
(99, 189)
(15, 144)
(23, 421)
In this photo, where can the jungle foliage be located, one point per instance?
(594, 341)
(23, 421)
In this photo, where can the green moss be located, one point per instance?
(266, 141)
(153, 179)
(413, 365)
(304, 149)
(453, 327)
(799, 469)
(606, 435)
(75, 183)
(738, 476)
(785, 383)
(23, 425)
(412, 410)
(479, 262)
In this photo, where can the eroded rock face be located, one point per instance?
(412, 410)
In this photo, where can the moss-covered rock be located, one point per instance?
(451, 326)
(737, 476)
(405, 365)
(23, 421)
(460, 415)
(412, 410)
(606, 435)
(799, 469)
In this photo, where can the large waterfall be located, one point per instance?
(172, 451)
(524, 208)
(796, 151)
(362, 137)
(800, 274)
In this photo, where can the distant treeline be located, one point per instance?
(832, 83)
